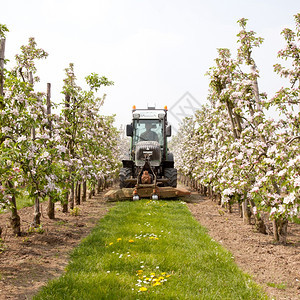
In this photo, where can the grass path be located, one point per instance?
(151, 250)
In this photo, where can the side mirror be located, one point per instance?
(168, 131)
(129, 130)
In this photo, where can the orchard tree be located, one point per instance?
(83, 130)
(255, 161)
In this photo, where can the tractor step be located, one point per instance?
(146, 192)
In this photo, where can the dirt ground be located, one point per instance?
(28, 262)
(275, 267)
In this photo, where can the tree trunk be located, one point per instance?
(50, 210)
(37, 212)
(71, 198)
(15, 218)
(78, 193)
(99, 186)
(259, 223)
(2, 51)
(280, 230)
(246, 213)
(229, 108)
(84, 191)
(65, 204)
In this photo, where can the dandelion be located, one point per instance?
(143, 289)
(156, 283)
(119, 239)
(131, 241)
(140, 272)
(110, 243)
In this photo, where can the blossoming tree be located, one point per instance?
(233, 145)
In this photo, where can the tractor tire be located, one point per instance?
(125, 173)
(171, 174)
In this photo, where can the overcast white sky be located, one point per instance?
(154, 50)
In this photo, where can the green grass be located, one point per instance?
(22, 201)
(141, 238)
(279, 286)
(296, 220)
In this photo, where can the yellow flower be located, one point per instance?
(156, 283)
(110, 243)
(168, 276)
(163, 273)
(119, 239)
(143, 289)
(160, 278)
(131, 241)
(139, 272)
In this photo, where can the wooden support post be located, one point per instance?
(50, 211)
(78, 193)
(84, 191)
(37, 212)
(65, 204)
(71, 198)
(2, 51)
(15, 218)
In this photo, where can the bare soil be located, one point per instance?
(29, 261)
(274, 267)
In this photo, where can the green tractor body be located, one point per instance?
(149, 162)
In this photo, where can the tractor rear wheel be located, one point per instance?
(125, 173)
(171, 174)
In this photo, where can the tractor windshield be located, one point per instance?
(147, 130)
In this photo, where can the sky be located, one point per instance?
(156, 51)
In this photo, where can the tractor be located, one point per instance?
(149, 161)
(148, 170)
